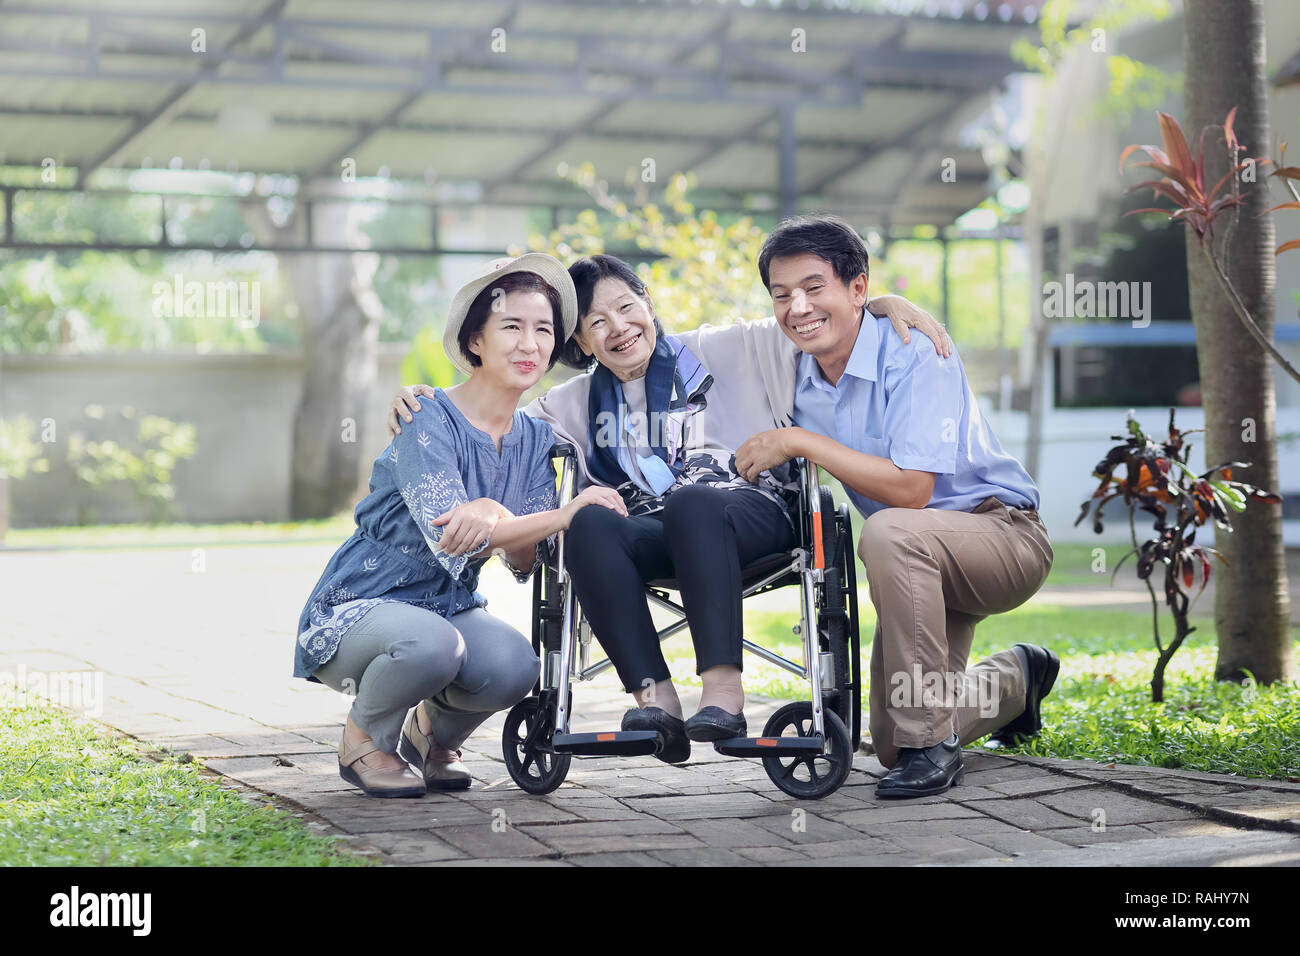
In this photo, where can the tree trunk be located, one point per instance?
(1224, 48)
(339, 312)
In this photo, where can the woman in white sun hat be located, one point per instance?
(395, 618)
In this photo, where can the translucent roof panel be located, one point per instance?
(751, 96)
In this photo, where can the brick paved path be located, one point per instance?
(198, 661)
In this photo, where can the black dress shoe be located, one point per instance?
(923, 771)
(676, 747)
(1041, 667)
(714, 723)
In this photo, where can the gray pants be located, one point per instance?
(464, 669)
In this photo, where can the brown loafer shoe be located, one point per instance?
(377, 783)
(414, 747)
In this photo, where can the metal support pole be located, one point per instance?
(789, 147)
(947, 313)
(1003, 406)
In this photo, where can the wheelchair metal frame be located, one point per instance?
(536, 741)
(562, 667)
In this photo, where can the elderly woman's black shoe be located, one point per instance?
(676, 746)
(714, 723)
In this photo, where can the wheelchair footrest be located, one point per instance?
(770, 746)
(609, 743)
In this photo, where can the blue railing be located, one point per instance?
(1157, 333)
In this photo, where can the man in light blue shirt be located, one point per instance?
(952, 532)
(910, 405)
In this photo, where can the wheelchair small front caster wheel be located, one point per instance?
(532, 765)
(813, 776)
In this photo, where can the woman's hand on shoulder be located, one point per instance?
(595, 495)
(903, 315)
(466, 526)
(406, 402)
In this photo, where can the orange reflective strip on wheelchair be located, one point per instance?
(766, 741)
(819, 559)
(604, 737)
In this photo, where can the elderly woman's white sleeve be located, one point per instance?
(564, 408)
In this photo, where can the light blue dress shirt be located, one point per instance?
(907, 404)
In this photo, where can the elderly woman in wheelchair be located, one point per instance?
(658, 417)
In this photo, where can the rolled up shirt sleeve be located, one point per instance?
(428, 475)
(924, 410)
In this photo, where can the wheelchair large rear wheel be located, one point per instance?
(532, 765)
(837, 618)
(809, 777)
(849, 586)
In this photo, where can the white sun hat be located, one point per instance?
(551, 271)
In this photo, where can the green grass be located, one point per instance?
(122, 536)
(1100, 708)
(72, 795)
(1073, 565)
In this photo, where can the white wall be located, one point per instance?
(242, 407)
(1075, 440)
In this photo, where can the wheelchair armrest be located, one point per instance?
(562, 449)
(817, 514)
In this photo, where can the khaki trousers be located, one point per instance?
(934, 575)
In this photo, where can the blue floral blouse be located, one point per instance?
(439, 461)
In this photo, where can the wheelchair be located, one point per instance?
(806, 747)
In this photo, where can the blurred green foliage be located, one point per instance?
(427, 362)
(914, 268)
(702, 267)
(95, 301)
(1134, 85)
(699, 267)
(106, 450)
(19, 450)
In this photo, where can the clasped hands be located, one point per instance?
(468, 526)
(766, 450)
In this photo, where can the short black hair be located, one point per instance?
(586, 273)
(476, 315)
(829, 238)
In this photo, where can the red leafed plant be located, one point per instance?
(1184, 184)
(1288, 175)
(1156, 479)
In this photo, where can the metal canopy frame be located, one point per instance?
(275, 47)
(452, 48)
